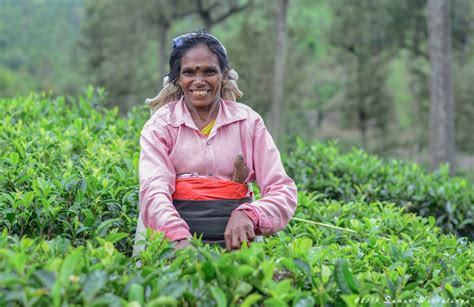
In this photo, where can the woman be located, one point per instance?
(200, 150)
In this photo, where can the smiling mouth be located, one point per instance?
(200, 93)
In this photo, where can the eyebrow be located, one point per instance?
(198, 68)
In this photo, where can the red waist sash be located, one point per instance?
(203, 188)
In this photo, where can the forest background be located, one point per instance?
(355, 71)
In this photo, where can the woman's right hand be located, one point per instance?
(239, 229)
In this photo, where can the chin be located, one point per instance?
(200, 103)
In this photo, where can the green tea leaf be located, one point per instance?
(104, 227)
(304, 301)
(108, 299)
(288, 264)
(208, 270)
(251, 299)
(114, 237)
(67, 268)
(274, 302)
(136, 292)
(325, 273)
(344, 278)
(174, 289)
(303, 266)
(244, 270)
(45, 278)
(243, 288)
(162, 301)
(284, 287)
(95, 282)
(14, 158)
(219, 296)
(351, 300)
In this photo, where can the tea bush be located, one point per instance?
(68, 168)
(68, 208)
(392, 257)
(360, 176)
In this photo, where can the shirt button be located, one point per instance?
(210, 173)
(208, 142)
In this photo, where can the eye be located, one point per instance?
(210, 71)
(187, 72)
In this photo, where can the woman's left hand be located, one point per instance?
(182, 244)
(239, 229)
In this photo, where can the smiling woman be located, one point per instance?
(200, 152)
(200, 80)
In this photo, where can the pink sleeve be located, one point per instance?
(278, 191)
(251, 214)
(157, 184)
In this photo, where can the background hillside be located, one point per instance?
(356, 71)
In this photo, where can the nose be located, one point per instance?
(199, 80)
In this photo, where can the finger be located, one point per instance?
(236, 239)
(248, 236)
(228, 240)
(250, 233)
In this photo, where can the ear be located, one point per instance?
(225, 75)
(177, 83)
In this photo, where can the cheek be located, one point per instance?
(183, 81)
(217, 83)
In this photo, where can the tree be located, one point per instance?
(442, 140)
(161, 14)
(117, 45)
(279, 64)
(213, 12)
(112, 43)
(360, 34)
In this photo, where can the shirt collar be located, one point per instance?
(228, 113)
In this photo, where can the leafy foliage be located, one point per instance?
(358, 175)
(302, 265)
(68, 207)
(67, 168)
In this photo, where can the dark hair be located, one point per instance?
(185, 42)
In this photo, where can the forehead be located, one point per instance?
(199, 55)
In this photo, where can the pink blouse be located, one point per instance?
(171, 146)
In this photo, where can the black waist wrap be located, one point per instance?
(208, 217)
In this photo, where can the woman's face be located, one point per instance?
(200, 77)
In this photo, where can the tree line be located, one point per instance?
(366, 72)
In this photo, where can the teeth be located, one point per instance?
(199, 93)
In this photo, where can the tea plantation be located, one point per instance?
(69, 202)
